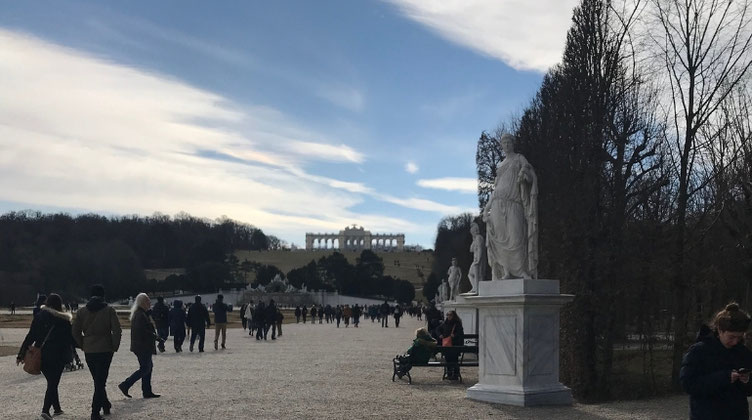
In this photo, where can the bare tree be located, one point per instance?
(705, 48)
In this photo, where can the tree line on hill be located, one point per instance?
(642, 145)
(335, 273)
(59, 252)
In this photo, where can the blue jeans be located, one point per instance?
(143, 373)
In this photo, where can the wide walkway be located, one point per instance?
(313, 371)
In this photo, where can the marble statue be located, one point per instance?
(443, 291)
(477, 268)
(437, 298)
(511, 215)
(455, 275)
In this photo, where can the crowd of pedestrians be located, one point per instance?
(97, 331)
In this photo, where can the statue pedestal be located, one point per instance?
(518, 327)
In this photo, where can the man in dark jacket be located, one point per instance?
(385, 310)
(271, 319)
(259, 318)
(242, 315)
(220, 320)
(198, 320)
(297, 314)
(160, 314)
(96, 330)
(397, 315)
(177, 321)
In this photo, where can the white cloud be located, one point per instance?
(425, 205)
(411, 167)
(81, 132)
(527, 35)
(326, 151)
(464, 185)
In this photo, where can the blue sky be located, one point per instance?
(294, 116)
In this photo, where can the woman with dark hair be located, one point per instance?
(452, 333)
(51, 331)
(715, 371)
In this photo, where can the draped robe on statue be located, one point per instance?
(512, 218)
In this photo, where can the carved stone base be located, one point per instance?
(525, 397)
(518, 352)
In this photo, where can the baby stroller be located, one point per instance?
(75, 363)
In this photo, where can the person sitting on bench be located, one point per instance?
(424, 346)
(452, 334)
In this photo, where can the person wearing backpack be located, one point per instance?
(51, 332)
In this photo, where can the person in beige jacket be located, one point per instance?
(96, 330)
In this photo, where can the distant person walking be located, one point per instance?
(338, 314)
(297, 314)
(356, 315)
(321, 314)
(347, 314)
(249, 317)
(51, 331)
(143, 337)
(242, 315)
(314, 312)
(177, 320)
(384, 311)
(397, 315)
(96, 330)
(198, 320)
(304, 312)
(280, 318)
(259, 316)
(220, 310)
(13, 308)
(160, 314)
(271, 319)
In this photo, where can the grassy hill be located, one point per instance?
(403, 265)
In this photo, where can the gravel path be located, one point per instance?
(311, 372)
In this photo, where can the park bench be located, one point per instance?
(470, 348)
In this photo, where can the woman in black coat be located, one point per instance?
(143, 338)
(452, 327)
(176, 318)
(715, 370)
(51, 330)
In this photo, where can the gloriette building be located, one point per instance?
(354, 238)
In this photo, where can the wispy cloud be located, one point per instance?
(527, 35)
(343, 96)
(425, 205)
(411, 167)
(82, 132)
(454, 105)
(464, 185)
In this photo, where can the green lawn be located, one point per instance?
(403, 265)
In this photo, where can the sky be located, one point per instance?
(294, 116)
